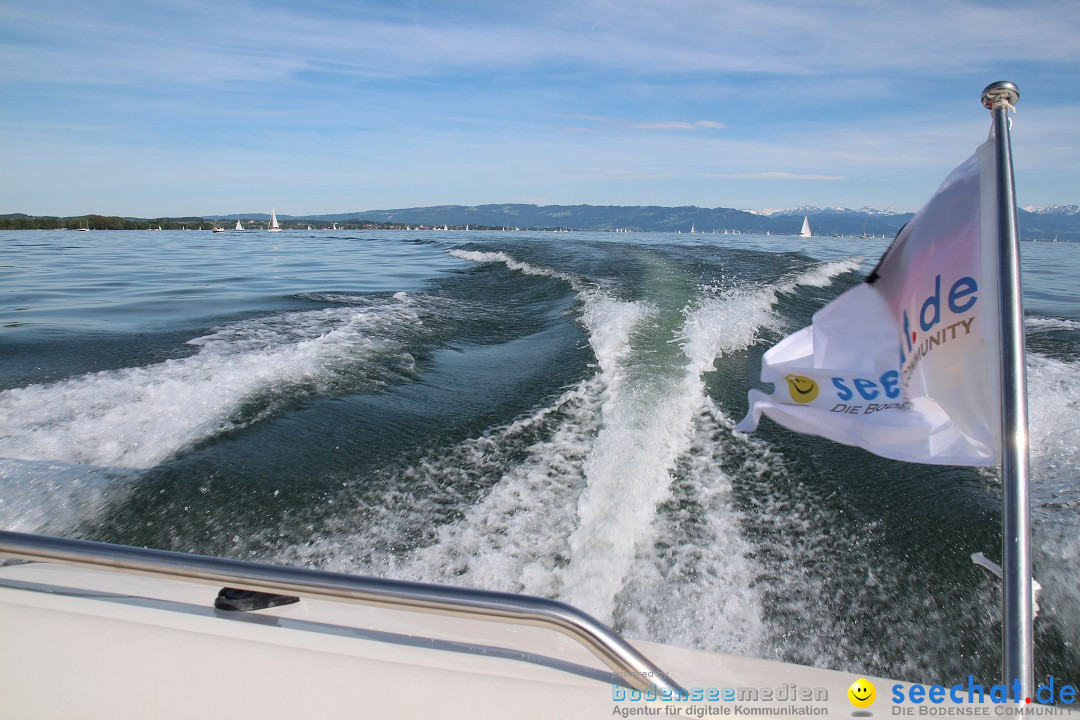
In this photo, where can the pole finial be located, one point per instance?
(999, 92)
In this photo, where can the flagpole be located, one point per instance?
(1017, 638)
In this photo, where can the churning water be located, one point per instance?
(533, 412)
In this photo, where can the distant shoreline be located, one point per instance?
(1049, 224)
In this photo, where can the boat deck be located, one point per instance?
(91, 643)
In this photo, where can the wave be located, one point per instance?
(1049, 324)
(522, 267)
(821, 275)
(139, 417)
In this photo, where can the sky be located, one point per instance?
(190, 107)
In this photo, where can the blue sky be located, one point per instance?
(193, 107)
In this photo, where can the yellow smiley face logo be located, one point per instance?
(801, 388)
(862, 693)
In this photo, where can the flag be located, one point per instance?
(906, 364)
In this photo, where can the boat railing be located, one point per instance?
(628, 666)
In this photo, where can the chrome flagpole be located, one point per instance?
(1017, 640)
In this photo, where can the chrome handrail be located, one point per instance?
(626, 663)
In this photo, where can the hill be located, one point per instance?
(643, 218)
(1060, 223)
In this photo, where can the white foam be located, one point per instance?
(522, 267)
(822, 275)
(138, 417)
(1049, 324)
(511, 539)
(1054, 409)
(52, 498)
(515, 538)
(694, 584)
(627, 468)
(1053, 400)
(353, 299)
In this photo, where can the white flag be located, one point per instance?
(906, 365)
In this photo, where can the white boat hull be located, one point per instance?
(88, 643)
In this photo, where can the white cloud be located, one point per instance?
(678, 125)
(238, 40)
(592, 122)
(773, 175)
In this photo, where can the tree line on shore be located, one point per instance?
(99, 222)
(1060, 224)
(19, 221)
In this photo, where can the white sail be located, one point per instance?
(273, 221)
(805, 232)
(238, 226)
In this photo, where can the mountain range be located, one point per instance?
(1057, 222)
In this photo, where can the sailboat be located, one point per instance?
(805, 232)
(239, 227)
(274, 227)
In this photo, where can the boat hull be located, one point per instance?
(132, 646)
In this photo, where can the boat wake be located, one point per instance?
(613, 497)
(622, 487)
(139, 417)
(62, 443)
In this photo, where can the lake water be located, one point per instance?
(548, 413)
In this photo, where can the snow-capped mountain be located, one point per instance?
(827, 212)
(1067, 210)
